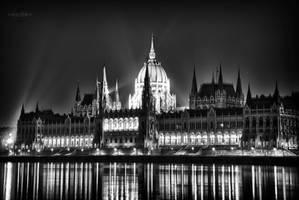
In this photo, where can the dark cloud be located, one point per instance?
(46, 49)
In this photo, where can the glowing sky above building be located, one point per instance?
(46, 52)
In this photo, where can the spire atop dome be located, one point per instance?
(152, 54)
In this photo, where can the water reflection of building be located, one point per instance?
(145, 181)
(218, 115)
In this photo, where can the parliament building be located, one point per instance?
(218, 116)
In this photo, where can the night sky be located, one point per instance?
(47, 48)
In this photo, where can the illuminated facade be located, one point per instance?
(218, 95)
(44, 129)
(213, 127)
(90, 104)
(271, 121)
(159, 82)
(217, 116)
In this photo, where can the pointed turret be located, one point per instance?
(116, 92)
(194, 83)
(105, 90)
(36, 108)
(117, 101)
(78, 95)
(22, 110)
(248, 98)
(104, 79)
(213, 79)
(220, 78)
(97, 89)
(239, 86)
(276, 94)
(213, 83)
(152, 54)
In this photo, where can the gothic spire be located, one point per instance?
(36, 108)
(248, 93)
(213, 80)
(239, 86)
(104, 83)
(152, 54)
(220, 78)
(276, 95)
(116, 92)
(104, 76)
(146, 93)
(22, 110)
(105, 90)
(78, 96)
(194, 83)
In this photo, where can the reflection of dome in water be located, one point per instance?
(160, 85)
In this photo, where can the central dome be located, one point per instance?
(159, 85)
(156, 73)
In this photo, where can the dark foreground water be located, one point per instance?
(146, 181)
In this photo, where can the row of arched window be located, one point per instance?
(178, 139)
(121, 124)
(85, 141)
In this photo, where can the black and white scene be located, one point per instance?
(149, 100)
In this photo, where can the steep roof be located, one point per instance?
(208, 89)
(87, 99)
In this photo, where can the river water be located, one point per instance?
(83, 180)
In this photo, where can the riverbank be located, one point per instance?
(248, 160)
